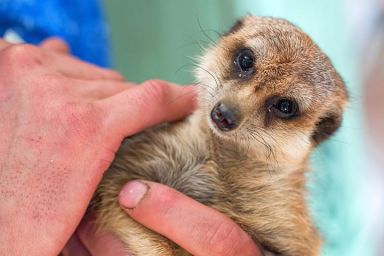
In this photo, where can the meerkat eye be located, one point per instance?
(244, 62)
(285, 108)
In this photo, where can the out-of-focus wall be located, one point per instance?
(369, 31)
(157, 39)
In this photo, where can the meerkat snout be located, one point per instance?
(225, 118)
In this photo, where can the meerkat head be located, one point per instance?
(268, 86)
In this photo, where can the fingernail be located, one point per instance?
(132, 193)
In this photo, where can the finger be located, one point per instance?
(69, 65)
(99, 89)
(148, 104)
(75, 68)
(55, 44)
(192, 225)
(75, 247)
(98, 242)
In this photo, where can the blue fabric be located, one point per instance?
(79, 22)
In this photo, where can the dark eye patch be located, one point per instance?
(282, 107)
(244, 63)
(286, 108)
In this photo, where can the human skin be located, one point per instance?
(61, 122)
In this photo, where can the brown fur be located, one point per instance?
(255, 174)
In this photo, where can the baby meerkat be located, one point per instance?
(267, 97)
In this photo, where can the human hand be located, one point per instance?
(195, 227)
(61, 122)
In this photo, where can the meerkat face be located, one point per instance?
(268, 86)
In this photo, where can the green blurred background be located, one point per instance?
(153, 38)
(156, 39)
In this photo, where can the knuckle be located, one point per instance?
(22, 55)
(153, 100)
(157, 91)
(57, 42)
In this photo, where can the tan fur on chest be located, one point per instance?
(269, 98)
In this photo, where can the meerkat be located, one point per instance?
(267, 97)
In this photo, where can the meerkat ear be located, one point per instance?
(326, 127)
(236, 27)
(329, 123)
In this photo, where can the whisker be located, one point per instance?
(183, 67)
(204, 31)
(211, 74)
(209, 89)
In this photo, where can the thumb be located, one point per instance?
(192, 225)
(146, 105)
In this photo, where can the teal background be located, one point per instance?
(156, 39)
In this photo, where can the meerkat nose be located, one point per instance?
(224, 117)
